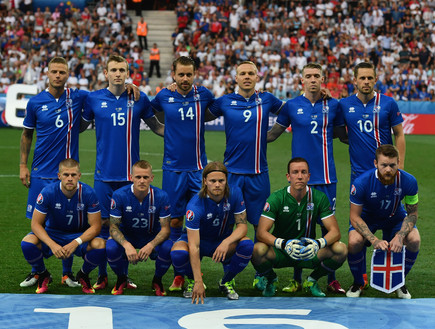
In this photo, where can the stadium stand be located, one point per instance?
(279, 36)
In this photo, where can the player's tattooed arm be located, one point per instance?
(240, 218)
(409, 221)
(156, 126)
(165, 230)
(115, 232)
(364, 230)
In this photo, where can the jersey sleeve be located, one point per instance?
(116, 205)
(276, 104)
(357, 193)
(239, 203)
(215, 107)
(43, 201)
(30, 119)
(324, 209)
(165, 206)
(88, 113)
(155, 103)
(395, 115)
(193, 213)
(147, 111)
(284, 116)
(92, 202)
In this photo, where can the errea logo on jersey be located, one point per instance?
(373, 195)
(234, 103)
(128, 209)
(285, 209)
(44, 108)
(300, 111)
(104, 105)
(58, 206)
(351, 110)
(171, 100)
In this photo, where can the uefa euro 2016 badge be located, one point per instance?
(377, 109)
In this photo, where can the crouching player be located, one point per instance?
(293, 211)
(66, 221)
(375, 204)
(139, 219)
(210, 218)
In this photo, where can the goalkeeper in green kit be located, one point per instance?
(292, 212)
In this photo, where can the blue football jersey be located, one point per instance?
(382, 203)
(184, 148)
(368, 126)
(67, 215)
(246, 125)
(312, 128)
(117, 127)
(139, 220)
(57, 125)
(215, 221)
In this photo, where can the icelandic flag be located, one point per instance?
(388, 270)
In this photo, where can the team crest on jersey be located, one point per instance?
(353, 190)
(40, 199)
(376, 109)
(112, 204)
(325, 109)
(80, 206)
(103, 105)
(130, 103)
(227, 206)
(196, 97)
(258, 101)
(171, 100)
(300, 111)
(152, 209)
(44, 108)
(351, 110)
(310, 206)
(397, 191)
(68, 102)
(266, 207)
(190, 215)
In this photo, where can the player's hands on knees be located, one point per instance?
(198, 293)
(25, 175)
(220, 252)
(396, 244)
(145, 252)
(58, 251)
(69, 249)
(131, 254)
(381, 244)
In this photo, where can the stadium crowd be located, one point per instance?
(279, 36)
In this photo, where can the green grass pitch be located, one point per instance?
(420, 161)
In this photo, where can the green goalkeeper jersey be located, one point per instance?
(295, 220)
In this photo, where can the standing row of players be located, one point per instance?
(368, 115)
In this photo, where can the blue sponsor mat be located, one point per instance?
(64, 311)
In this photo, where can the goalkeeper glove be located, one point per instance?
(309, 251)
